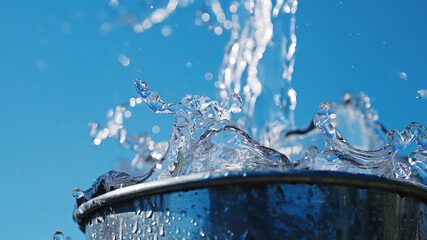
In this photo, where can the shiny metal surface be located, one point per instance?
(260, 205)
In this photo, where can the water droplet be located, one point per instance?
(77, 193)
(135, 227)
(149, 213)
(166, 31)
(155, 129)
(198, 21)
(105, 27)
(137, 206)
(99, 219)
(421, 93)
(228, 24)
(113, 3)
(208, 76)
(403, 76)
(218, 31)
(233, 8)
(128, 114)
(58, 235)
(206, 17)
(124, 60)
(161, 230)
(66, 28)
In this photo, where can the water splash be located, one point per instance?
(203, 140)
(339, 154)
(418, 165)
(258, 64)
(147, 152)
(259, 58)
(109, 181)
(353, 117)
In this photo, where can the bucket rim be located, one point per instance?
(206, 180)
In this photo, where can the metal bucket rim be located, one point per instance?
(204, 180)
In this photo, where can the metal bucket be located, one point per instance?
(260, 205)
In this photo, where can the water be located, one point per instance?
(203, 140)
(77, 193)
(58, 235)
(422, 93)
(251, 126)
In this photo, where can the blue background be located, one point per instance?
(58, 71)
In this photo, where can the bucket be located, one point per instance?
(260, 205)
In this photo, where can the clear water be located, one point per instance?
(251, 125)
(58, 235)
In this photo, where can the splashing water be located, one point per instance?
(259, 58)
(258, 131)
(203, 140)
(339, 155)
(147, 152)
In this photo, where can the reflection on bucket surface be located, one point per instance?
(260, 205)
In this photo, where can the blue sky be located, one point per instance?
(58, 71)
